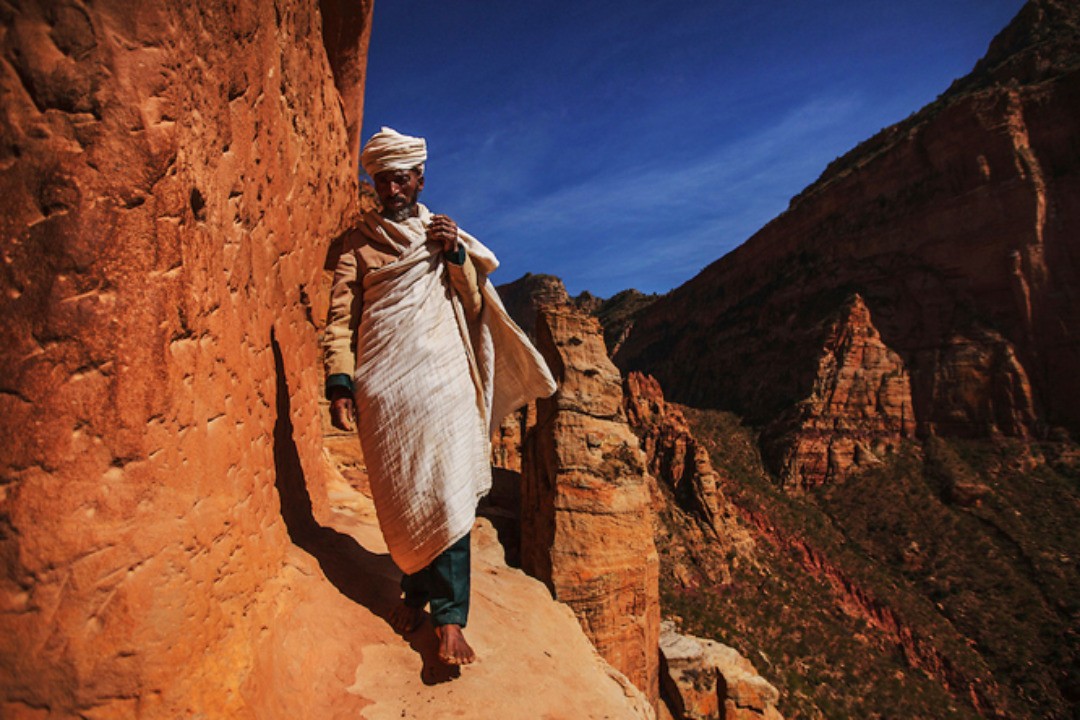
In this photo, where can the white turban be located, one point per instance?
(390, 150)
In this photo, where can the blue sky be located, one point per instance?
(630, 144)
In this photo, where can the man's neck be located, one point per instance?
(402, 214)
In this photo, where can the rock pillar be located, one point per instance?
(587, 527)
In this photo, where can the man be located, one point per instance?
(420, 350)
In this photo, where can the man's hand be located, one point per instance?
(342, 411)
(444, 231)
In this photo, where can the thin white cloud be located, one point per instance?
(654, 220)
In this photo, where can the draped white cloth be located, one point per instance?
(431, 387)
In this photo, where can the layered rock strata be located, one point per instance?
(956, 228)
(587, 529)
(693, 507)
(706, 680)
(858, 410)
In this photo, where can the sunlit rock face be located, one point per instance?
(857, 413)
(672, 452)
(529, 294)
(586, 520)
(688, 499)
(956, 228)
(706, 680)
(171, 176)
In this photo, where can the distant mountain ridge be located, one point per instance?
(1038, 45)
(885, 378)
(957, 227)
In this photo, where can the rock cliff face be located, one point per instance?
(672, 452)
(529, 294)
(695, 521)
(585, 515)
(171, 173)
(956, 227)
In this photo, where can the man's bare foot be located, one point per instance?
(453, 650)
(405, 619)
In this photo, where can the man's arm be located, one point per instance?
(462, 271)
(338, 338)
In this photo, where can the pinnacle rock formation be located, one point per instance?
(524, 296)
(586, 523)
(528, 295)
(693, 513)
(858, 409)
(956, 227)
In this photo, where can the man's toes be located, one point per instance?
(453, 648)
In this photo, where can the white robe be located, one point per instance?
(431, 387)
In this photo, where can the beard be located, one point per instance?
(401, 213)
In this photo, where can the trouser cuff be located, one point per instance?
(456, 617)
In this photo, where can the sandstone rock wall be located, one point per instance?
(171, 176)
(587, 528)
(956, 227)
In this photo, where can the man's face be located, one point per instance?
(398, 191)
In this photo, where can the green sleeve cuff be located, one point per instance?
(457, 257)
(339, 380)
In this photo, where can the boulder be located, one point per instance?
(706, 680)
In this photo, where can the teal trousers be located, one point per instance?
(444, 584)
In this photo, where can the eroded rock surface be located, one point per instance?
(688, 500)
(171, 175)
(707, 680)
(529, 294)
(587, 528)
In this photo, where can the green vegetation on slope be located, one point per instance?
(986, 530)
(947, 574)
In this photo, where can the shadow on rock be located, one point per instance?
(367, 578)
